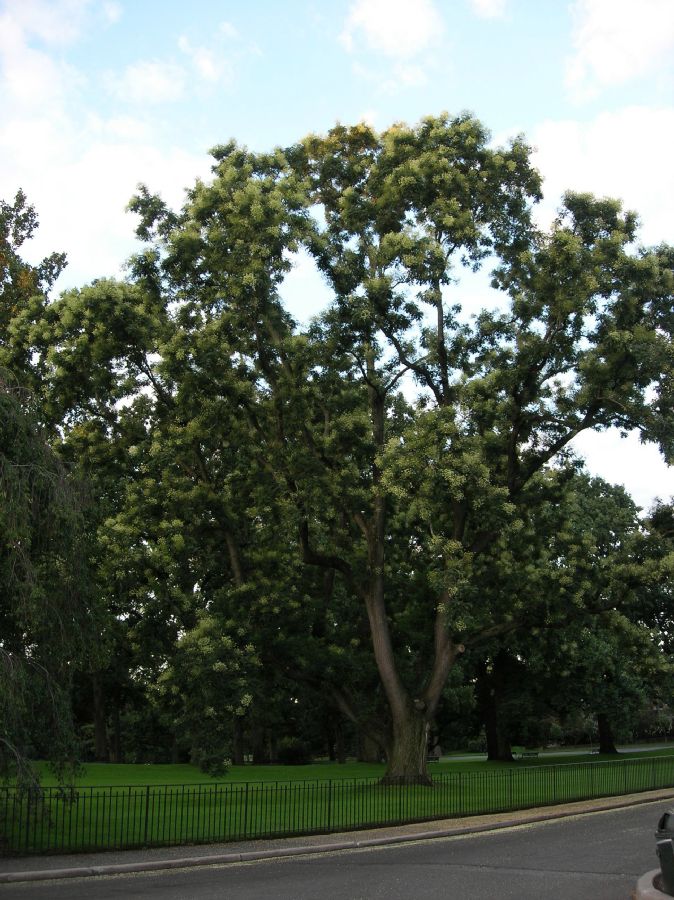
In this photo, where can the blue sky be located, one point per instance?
(98, 95)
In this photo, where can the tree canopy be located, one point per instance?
(364, 500)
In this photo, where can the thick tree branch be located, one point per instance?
(325, 560)
(416, 367)
(445, 652)
(347, 707)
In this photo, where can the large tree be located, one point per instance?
(583, 343)
(403, 500)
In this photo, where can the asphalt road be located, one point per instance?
(591, 857)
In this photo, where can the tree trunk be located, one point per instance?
(260, 755)
(330, 745)
(606, 741)
(369, 750)
(237, 742)
(340, 744)
(100, 731)
(116, 749)
(498, 745)
(406, 757)
(498, 742)
(410, 714)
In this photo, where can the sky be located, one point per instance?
(97, 96)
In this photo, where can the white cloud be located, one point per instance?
(625, 154)
(616, 41)
(370, 117)
(412, 76)
(32, 82)
(489, 9)
(79, 167)
(402, 76)
(622, 154)
(228, 30)
(401, 33)
(51, 21)
(391, 78)
(304, 291)
(125, 128)
(148, 81)
(638, 467)
(112, 12)
(394, 28)
(208, 64)
(81, 200)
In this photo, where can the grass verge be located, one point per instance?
(299, 800)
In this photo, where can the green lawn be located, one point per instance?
(107, 774)
(113, 774)
(125, 806)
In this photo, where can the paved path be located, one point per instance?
(596, 855)
(560, 751)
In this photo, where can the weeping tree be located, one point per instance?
(44, 602)
(47, 608)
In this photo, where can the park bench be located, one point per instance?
(526, 754)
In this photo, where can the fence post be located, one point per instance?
(147, 812)
(27, 818)
(329, 816)
(245, 812)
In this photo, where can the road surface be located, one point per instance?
(591, 857)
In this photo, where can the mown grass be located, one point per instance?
(111, 774)
(124, 806)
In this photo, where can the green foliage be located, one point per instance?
(43, 592)
(47, 614)
(23, 287)
(206, 685)
(279, 518)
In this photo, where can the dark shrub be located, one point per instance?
(293, 752)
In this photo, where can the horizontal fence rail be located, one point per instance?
(109, 818)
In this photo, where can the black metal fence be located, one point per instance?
(106, 818)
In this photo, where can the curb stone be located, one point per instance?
(646, 889)
(219, 859)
